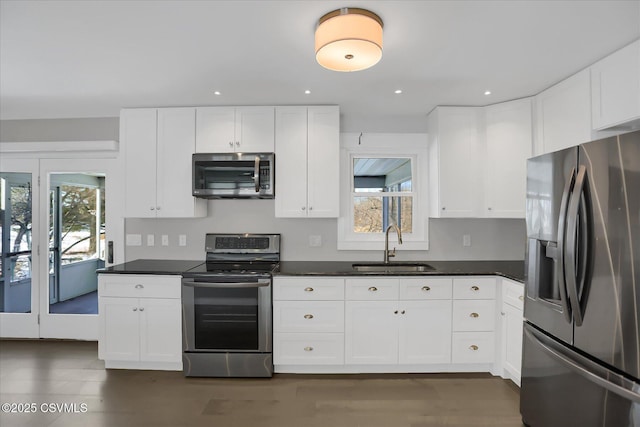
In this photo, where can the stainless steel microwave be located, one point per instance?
(234, 175)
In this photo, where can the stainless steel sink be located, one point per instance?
(393, 267)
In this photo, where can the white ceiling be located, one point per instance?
(63, 59)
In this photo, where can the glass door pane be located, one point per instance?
(76, 241)
(16, 208)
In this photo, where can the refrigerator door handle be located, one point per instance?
(585, 368)
(569, 258)
(559, 259)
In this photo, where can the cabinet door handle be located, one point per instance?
(141, 308)
(473, 347)
(521, 297)
(426, 288)
(304, 207)
(373, 289)
(152, 208)
(309, 289)
(395, 312)
(135, 308)
(237, 143)
(138, 286)
(475, 288)
(474, 315)
(230, 143)
(310, 208)
(157, 208)
(308, 349)
(402, 312)
(308, 316)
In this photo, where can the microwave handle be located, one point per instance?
(256, 174)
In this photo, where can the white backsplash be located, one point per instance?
(491, 239)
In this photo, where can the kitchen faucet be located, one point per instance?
(387, 253)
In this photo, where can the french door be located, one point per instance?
(49, 264)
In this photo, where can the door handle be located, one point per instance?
(256, 174)
(577, 201)
(558, 260)
(110, 252)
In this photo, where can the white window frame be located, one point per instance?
(381, 145)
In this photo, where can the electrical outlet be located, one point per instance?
(315, 241)
(151, 240)
(182, 240)
(134, 240)
(165, 240)
(466, 240)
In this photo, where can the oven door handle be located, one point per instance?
(192, 283)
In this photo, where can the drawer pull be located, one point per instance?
(308, 349)
(475, 288)
(308, 289)
(473, 347)
(426, 288)
(521, 297)
(474, 315)
(373, 289)
(308, 316)
(139, 287)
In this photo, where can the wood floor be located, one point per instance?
(69, 372)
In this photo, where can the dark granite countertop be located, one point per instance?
(152, 266)
(509, 269)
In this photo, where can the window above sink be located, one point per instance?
(383, 181)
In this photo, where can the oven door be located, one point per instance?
(226, 314)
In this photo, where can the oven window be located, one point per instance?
(226, 318)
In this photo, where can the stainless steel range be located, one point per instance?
(226, 307)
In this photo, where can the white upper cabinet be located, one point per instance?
(563, 114)
(231, 129)
(307, 162)
(508, 146)
(455, 161)
(158, 144)
(477, 158)
(615, 89)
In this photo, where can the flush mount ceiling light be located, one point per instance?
(349, 39)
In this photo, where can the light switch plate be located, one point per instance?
(466, 240)
(165, 240)
(151, 240)
(182, 240)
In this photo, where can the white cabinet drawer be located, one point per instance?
(472, 347)
(308, 316)
(308, 349)
(308, 289)
(138, 286)
(366, 289)
(474, 288)
(513, 293)
(473, 315)
(425, 288)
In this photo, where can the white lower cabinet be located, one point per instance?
(511, 312)
(140, 322)
(308, 321)
(325, 324)
(381, 328)
(474, 319)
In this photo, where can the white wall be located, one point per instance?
(491, 239)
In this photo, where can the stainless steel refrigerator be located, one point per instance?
(581, 344)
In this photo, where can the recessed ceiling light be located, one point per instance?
(487, 92)
(398, 91)
(307, 92)
(216, 93)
